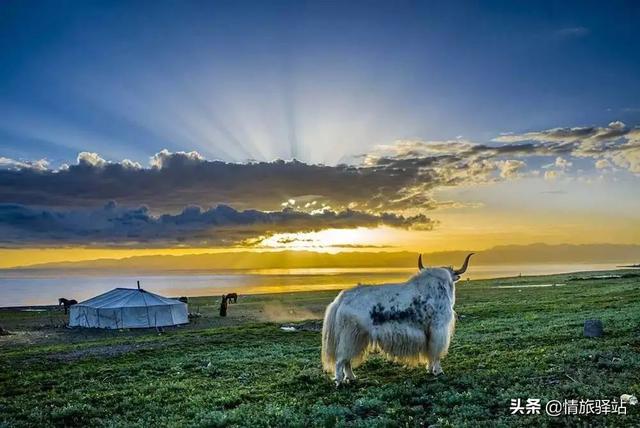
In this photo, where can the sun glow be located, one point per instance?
(331, 240)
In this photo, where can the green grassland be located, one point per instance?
(244, 370)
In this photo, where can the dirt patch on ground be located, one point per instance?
(107, 351)
(27, 337)
(303, 326)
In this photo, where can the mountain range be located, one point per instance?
(510, 254)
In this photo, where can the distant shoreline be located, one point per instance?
(124, 272)
(317, 289)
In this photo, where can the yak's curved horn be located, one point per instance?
(420, 262)
(463, 269)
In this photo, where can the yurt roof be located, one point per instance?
(128, 297)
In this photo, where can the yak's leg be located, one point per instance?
(357, 350)
(340, 364)
(351, 344)
(437, 347)
(348, 371)
(342, 356)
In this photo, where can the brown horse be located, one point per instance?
(232, 296)
(66, 303)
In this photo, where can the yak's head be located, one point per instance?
(455, 273)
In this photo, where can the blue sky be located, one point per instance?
(320, 81)
(449, 124)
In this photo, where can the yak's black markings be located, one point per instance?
(416, 312)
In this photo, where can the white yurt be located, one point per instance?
(128, 308)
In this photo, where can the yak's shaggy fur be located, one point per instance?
(411, 323)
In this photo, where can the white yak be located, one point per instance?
(410, 322)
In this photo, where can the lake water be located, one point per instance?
(20, 289)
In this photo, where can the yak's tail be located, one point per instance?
(329, 342)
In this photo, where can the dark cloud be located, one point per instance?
(613, 131)
(391, 178)
(616, 143)
(178, 179)
(10, 164)
(174, 180)
(112, 225)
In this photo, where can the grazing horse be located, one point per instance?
(223, 306)
(232, 296)
(410, 322)
(66, 303)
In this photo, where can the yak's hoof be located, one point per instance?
(437, 371)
